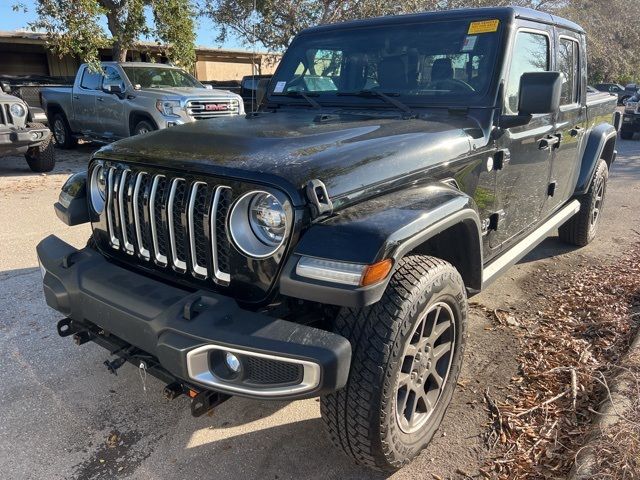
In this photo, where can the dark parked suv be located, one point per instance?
(326, 245)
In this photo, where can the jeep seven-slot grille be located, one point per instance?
(171, 221)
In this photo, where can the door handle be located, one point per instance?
(550, 142)
(76, 97)
(100, 99)
(575, 131)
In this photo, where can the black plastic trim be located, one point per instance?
(149, 315)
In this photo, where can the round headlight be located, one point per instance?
(267, 219)
(98, 188)
(258, 224)
(18, 110)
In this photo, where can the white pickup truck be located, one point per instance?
(131, 98)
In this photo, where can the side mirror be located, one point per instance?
(208, 86)
(540, 93)
(261, 90)
(6, 88)
(114, 89)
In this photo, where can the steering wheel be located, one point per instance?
(451, 84)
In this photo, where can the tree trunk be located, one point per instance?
(119, 52)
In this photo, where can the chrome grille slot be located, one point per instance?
(5, 115)
(126, 226)
(173, 222)
(197, 232)
(138, 214)
(112, 207)
(219, 240)
(157, 214)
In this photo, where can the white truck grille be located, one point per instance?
(212, 108)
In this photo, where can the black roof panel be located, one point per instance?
(501, 13)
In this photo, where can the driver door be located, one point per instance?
(523, 181)
(110, 109)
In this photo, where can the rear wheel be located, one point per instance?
(407, 354)
(581, 229)
(41, 158)
(62, 132)
(143, 126)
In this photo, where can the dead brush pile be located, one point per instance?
(570, 348)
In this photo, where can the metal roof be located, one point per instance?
(499, 13)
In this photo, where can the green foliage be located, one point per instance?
(74, 27)
(613, 42)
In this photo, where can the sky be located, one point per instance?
(10, 20)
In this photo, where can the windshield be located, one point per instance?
(160, 77)
(437, 62)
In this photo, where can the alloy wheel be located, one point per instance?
(425, 367)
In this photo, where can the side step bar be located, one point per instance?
(515, 253)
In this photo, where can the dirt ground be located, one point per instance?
(62, 415)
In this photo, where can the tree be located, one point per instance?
(275, 22)
(74, 27)
(613, 44)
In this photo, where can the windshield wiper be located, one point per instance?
(376, 93)
(298, 94)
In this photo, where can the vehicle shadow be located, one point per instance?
(67, 161)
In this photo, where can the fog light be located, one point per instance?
(34, 136)
(233, 362)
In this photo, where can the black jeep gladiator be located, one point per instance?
(326, 245)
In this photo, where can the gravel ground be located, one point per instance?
(62, 415)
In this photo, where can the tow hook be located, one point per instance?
(114, 365)
(205, 401)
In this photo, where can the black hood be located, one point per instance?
(351, 153)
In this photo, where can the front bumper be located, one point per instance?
(18, 140)
(183, 331)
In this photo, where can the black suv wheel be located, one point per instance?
(581, 229)
(407, 353)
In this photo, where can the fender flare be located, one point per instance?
(600, 144)
(389, 226)
(140, 113)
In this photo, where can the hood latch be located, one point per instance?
(319, 197)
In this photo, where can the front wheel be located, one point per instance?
(407, 354)
(143, 126)
(581, 229)
(41, 158)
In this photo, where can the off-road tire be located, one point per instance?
(142, 127)
(580, 229)
(626, 135)
(43, 157)
(361, 418)
(62, 132)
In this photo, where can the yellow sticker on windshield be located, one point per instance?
(484, 26)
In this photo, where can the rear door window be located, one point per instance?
(569, 66)
(90, 80)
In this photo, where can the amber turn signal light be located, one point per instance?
(376, 272)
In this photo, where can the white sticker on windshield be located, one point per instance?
(279, 87)
(469, 43)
